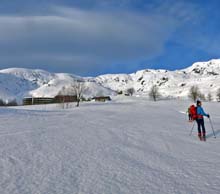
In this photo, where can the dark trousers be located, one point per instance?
(200, 123)
(190, 117)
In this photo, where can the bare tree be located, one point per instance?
(202, 96)
(130, 91)
(75, 89)
(218, 95)
(209, 97)
(154, 93)
(78, 88)
(194, 93)
(62, 92)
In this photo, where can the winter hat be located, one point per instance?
(198, 102)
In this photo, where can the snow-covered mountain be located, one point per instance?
(206, 75)
(16, 83)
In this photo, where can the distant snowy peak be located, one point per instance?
(37, 76)
(211, 67)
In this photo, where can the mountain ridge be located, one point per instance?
(17, 83)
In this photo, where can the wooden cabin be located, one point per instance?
(102, 98)
(34, 100)
(65, 98)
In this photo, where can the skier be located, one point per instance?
(200, 120)
(190, 112)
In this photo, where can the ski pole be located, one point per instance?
(212, 127)
(192, 128)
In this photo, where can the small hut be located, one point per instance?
(65, 98)
(102, 98)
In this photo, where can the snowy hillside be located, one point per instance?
(17, 83)
(171, 83)
(135, 147)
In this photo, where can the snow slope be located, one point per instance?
(18, 82)
(128, 146)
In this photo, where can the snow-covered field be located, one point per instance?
(129, 146)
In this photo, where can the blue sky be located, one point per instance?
(92, 37)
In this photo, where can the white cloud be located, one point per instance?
(82, 37)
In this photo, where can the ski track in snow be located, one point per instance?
(114, 148)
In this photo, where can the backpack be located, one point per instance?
(193, 112)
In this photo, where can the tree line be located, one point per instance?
(194, 94)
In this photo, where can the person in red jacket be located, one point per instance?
(192, 112)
